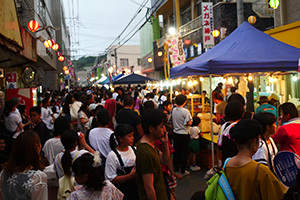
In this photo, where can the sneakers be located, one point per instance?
(194, 168)
(186, 173)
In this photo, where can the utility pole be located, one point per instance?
(240, 12)
(116, 59)
(176, 10)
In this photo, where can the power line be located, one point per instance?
(134, 16)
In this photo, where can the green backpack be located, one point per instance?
(218, 186)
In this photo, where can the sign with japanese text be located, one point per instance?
(207, 25)
(11, 79)
(176, 50)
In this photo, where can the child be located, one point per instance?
(194, 145)
(120, 163)
(88, 172)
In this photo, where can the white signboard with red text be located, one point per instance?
(207, 25)
(176, 50)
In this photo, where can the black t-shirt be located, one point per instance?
(119, 107)
(128, 116)
(42, 131)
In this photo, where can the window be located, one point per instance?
(139, 62)
(42, 10)
(185, 14)
(124, 62)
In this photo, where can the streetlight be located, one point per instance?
(172, 30)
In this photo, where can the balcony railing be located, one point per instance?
(191, 26)
(262, 9)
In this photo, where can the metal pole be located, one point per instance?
(116, 60)
(211, 122)
(240, 12)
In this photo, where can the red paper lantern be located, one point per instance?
(48, 44)
(216, 33)
(67, 72)
(61, 58)
(65, 68)
(33, 25)
(53, 41)
(58, 54)
(55, 47)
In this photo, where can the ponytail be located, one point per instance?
(66, 162)
(69, 139)
(112, 141)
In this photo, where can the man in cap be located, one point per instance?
(288, 134)
(266, 107)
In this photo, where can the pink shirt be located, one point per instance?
(288, 136)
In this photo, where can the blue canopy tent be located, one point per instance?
(245, 50)
(114, 78)
(132, 79)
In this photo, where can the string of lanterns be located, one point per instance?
(33, 26)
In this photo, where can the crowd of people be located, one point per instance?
(119, 144)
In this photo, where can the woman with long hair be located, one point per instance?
(120, 162)
(247, 178)
(63, 161)
(22, 176)
(89, 172)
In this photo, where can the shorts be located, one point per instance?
(194, 145)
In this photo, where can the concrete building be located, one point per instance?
(50, 16)
(126, 58)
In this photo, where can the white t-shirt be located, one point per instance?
(46, 117)
(114, 95)
(82, 114)
(112, 162)
(51, 148)
(180, 118)
(18, 113)
(99, 139)
(91, 121)
(57, 167)
(194, 132)
(261, 154)
(12, 121)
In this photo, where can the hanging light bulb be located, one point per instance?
(190, 83)
(195, 82)
(201, 79)
(250, 78)
(230, 80)
(271, 79)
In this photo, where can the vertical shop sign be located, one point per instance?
(207, 25)
(176, 49)
(11, 79)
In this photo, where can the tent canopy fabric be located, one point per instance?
(133, 79)
(245, 50)
(114, 78)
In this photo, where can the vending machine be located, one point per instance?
(26, 96)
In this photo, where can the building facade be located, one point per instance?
(41, 61)
(123, 59)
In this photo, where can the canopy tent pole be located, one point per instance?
(211, 122)
(171, 93)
